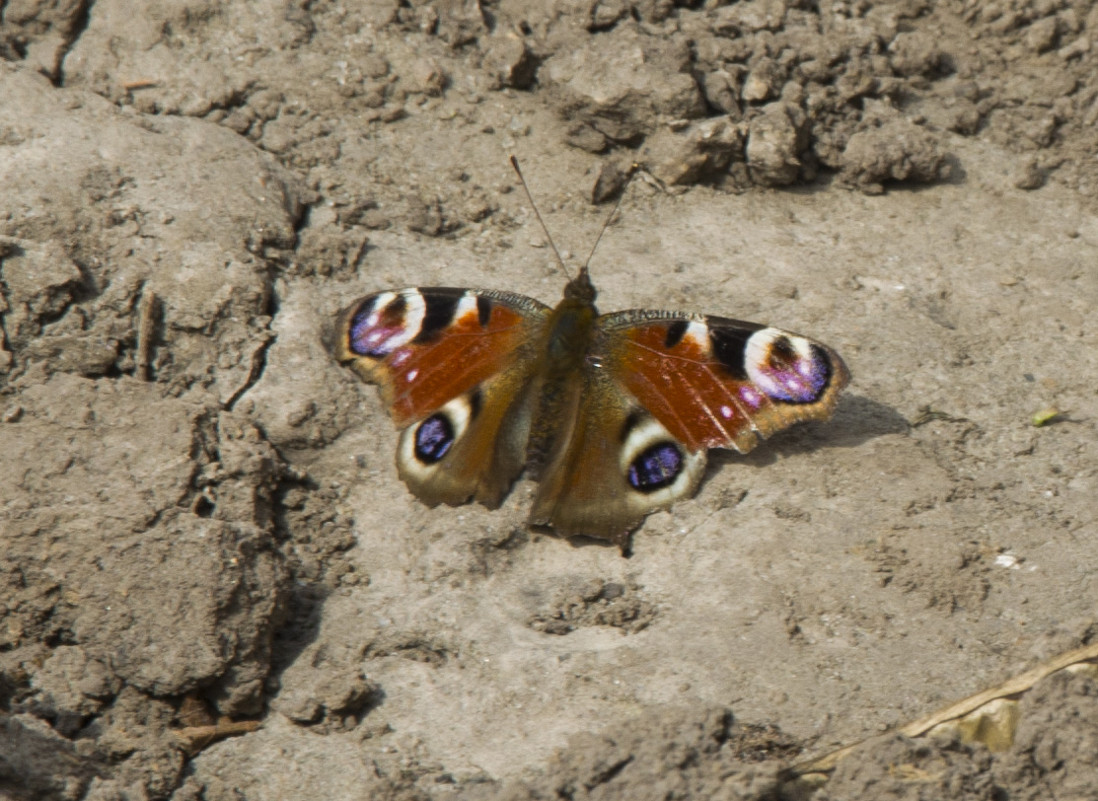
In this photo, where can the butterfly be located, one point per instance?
(612, 413)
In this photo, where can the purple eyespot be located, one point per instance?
(385, 322)
(801, 379)
(786, 367)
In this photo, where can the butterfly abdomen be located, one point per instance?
(562, 354)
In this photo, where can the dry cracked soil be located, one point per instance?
(213, 584)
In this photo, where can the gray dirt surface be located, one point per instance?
(200, 519)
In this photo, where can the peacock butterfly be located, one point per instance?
(613, 413)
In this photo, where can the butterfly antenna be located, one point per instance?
(633, 168)
(544, 227)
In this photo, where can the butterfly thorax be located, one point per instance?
(568, 333)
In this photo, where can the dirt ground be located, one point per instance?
(213, 584)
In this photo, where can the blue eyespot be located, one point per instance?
(656, 467)
(434, 437)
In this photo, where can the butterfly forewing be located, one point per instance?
(425, 347)
(716, 382)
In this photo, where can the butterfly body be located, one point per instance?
(613, 414)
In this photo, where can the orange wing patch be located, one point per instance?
(686, 390)
(425, 376)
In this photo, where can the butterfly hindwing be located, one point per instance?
(720, 383)
(453, 367)
(472, 447)
(613, 465)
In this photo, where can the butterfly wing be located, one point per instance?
(721, 383)
(453, 367)
(658, 390)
